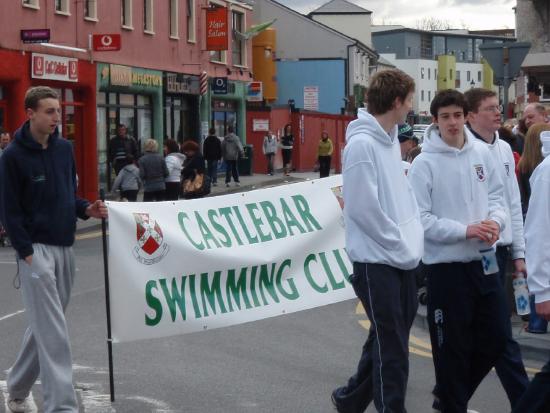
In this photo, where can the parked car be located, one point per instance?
(418, 131)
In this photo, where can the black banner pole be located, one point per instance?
(107, 300)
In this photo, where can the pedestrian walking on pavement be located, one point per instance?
(174, 163)
(324, 154)
(460, 196)
(212, 152)
(120, 146)
(287, 144)
(128, 181)
(232, 149)
(153, 172)
(193, 166)
(536, 398)
(384, 242)
(269, 148)
(39, 208)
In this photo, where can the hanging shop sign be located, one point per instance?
(106, 42)
(217, 31)
(50, 67)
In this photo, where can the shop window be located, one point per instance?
(174, 12)
(148, 16)
(126, 14)
(237, 42)
(479, 76)
(90, 10)
(62, 7)
(33, 4)
(191, 21)
(422, 95)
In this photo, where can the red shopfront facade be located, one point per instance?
(75, 81)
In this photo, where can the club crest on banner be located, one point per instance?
(151, 247)
(480, 173)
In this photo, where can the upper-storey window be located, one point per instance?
(126, 14)
(148, 16)
(62, 6)
(237, 42)
(90, 9)
(191, 37)
(33, 4)
(174, 21)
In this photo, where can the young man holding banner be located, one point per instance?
(384, 240)
(39, 208)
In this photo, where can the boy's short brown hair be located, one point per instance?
(475, 96)
(36, 94)
(385, 87)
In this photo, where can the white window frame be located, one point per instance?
(223, 53)
(174, 19)
(31, 4)
(243, 42)
(92, 6)
(127, 4)
(65, 8)
(148, 17)
(191, 21)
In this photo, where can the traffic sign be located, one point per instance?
(106, 42)
(501, 54)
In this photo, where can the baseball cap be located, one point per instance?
(404, 132)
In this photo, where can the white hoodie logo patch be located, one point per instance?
(480, 173)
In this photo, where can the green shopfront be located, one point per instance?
(130, 96)
(220, 110)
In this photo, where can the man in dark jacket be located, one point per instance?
(212, 152)
(39, 208)
(121, 146)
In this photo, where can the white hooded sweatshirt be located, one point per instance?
(455, 188)
(537, 224)
(513, 229)
(382, 219)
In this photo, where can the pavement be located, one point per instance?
(534, 346)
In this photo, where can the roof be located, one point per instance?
(377, 30)
(340, 7)
(358, 43)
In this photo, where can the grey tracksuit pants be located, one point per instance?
(46, 289)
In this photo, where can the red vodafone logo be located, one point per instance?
(73, 69)
(38, 65)
(106, 42)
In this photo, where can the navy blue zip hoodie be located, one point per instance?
(38, 202)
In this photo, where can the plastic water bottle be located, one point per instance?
(489, 260)
(521, 294)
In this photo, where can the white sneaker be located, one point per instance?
(237, 184)
(471, 411)
(227, 185)
(18, 405)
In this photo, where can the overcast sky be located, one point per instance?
(471, 14)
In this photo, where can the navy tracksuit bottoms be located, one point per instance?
(468, 321)
(389, 297)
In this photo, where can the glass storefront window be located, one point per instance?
(143, 100)
(126, 100)
(101, 99)
(69, 97)
(112, 98)
(145, 126)
(127, 118)
(102, 146)
(168, 123)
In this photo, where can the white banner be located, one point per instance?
(185, 266)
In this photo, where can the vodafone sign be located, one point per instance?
(106, 42)
(45, 66)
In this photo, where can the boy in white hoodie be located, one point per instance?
(537, 237)
(484, 121)
(384, 240)
(460, 197)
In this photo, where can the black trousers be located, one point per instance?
(130, 195)
(536, 398)
(467, 317)
(231, 169)
(389, 298)
(151, 196)
(172, 191)
(324, 166)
